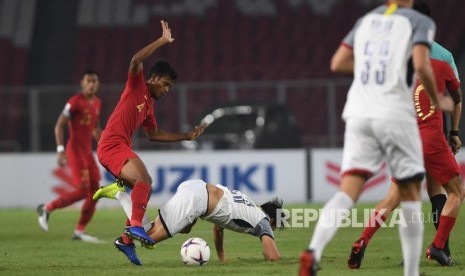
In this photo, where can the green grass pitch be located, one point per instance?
(26, 250)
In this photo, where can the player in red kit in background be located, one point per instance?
(135, 108)
(81, 114)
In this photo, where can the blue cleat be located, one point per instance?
(138, 233)
(129, 250)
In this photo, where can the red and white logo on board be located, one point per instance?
(65, 185)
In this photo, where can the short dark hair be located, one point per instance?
(271, 208)
(422, 7)
(162, 68)
(88, 72)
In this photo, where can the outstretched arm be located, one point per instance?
(160, 135)
(270, 251)
(136, 62)
(218, 237)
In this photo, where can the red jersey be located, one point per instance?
(429, 117)
(134, 108)
(83, 116)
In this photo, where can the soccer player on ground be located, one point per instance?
(380, 120)
(135, 108)
(81, 115)
(214, 203)
(440, 164)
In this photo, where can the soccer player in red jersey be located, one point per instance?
(135, 108)
(81, 114)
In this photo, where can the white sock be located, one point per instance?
(327, 224)
(411, 237)
(125, 201)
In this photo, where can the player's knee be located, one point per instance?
(461, 192)
(455, 188)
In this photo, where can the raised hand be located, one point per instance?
(166, 35)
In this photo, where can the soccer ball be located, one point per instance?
(195, 251)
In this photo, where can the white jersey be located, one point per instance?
(382, 42)
(236, 212)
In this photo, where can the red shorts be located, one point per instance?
(83, 167)
(440, 163)
(114, 155)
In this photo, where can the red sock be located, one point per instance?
(372, 227)
(445, 226)
(124, 238)
(140, 197)
(87, 211)
(66, 200)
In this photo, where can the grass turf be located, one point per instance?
(26, 250)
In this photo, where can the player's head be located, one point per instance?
(89, 82)
(271, 209)
(422, 7)
(162, 77)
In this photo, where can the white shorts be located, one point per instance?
(367, 142)
(188, 203)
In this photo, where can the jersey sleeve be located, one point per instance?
(134, 81)
(451, 61)
(348, 40)
(452, 83)
(423, 31)
(70, 108)
(264, 228)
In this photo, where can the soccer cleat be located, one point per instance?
(129, 250)
(138, 233)
(109, 191)
(43, 217)
(451, 261)
(147, 246)
(79, 236)
(308, 264)
(434, 253)
(357, 254)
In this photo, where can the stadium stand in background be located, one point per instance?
(51, 42)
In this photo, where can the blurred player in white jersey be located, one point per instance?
(443, 181)
(195, 199)
(383, 51)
